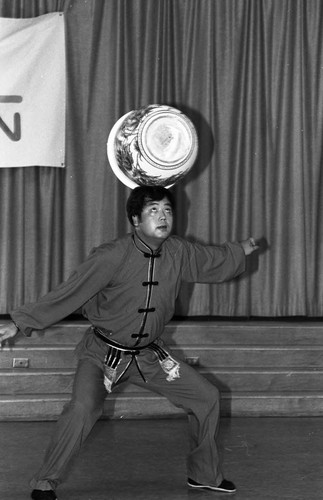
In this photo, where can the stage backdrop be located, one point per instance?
(249, 75)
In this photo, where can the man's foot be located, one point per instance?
(43, 495)
(224, 487)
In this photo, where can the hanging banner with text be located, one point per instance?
(32, 91)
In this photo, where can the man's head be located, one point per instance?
(141, 195)
(150, 210)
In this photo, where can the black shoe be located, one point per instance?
(224, 487)
(43, 495)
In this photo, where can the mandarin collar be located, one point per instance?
(144, 248)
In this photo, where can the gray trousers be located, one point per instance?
(191, 391)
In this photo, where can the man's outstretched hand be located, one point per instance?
(249, 245)
(7, 332)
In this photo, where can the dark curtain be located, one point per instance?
(248, 74)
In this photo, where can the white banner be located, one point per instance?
(32, 91)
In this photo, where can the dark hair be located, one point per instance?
(142, 194)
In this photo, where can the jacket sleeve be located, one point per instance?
(87, 280)
(212, 263)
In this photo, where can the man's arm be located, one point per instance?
(215, 263)
(69, 296)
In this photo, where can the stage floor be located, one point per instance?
(267, 458)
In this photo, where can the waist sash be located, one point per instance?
(113, 358)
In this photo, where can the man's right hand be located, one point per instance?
(7, 332)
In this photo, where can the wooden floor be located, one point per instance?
(267, 458)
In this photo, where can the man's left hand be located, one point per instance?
(249, 245)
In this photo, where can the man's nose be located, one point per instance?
(162, 214)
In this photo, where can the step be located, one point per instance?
(49, 407)
(247, 332)
(196, 332)
(267, 380)
(234, 379)
(302, 404)
(207, 356)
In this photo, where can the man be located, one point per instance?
(127, 290)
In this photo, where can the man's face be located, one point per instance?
(155, 223)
